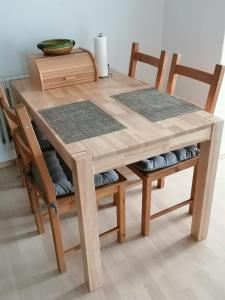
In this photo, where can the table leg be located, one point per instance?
(205, 180)
(87, 218)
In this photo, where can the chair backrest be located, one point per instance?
(31, 152)
(214, 80)
(159, 63)
(8, 111)
(12, 122)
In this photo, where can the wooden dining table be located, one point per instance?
(140, 139)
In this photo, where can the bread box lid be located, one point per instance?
(49, 72)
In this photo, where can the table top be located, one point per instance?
(140, 139)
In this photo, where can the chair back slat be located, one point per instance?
(12, 122)
(214, 80)
(36, 154)
(133, 61)
(147, 59)
(161, 69)
(8, 111)
(172, 79)
(23, 150)
(159, 63)
(194, 74)
(215, 88)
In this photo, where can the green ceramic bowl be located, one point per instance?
(56, 46)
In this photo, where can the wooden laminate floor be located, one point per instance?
(166, 265)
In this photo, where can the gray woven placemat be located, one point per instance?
(78, 121)
(155, 105)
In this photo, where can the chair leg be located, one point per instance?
(119, 199)
(20, 166)
(57, 238)
(161, 183)
(24, 181)
(22, 176)
(29, 187)
(146, 206)
(37, 211)
(193, 189)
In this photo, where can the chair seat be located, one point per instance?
(42, 139)
(167, 159)
(62, 176)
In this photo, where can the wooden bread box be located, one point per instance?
(48, 72)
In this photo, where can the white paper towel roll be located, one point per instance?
(101, 55)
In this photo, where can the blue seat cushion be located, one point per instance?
(61, 175)
(42, 139)
(167, 159)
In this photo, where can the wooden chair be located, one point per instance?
(33, 158)
(159, 63)
(214, 81)
(8, 111)
(12, 122)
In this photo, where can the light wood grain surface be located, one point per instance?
(86, 207)
(48, 72)
(168, 265)
(141, 138)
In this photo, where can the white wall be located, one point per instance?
(26, 22)
(220, 108)
(196, 29)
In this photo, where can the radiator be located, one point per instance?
(7, 151)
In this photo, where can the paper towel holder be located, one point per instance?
(100, 49)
